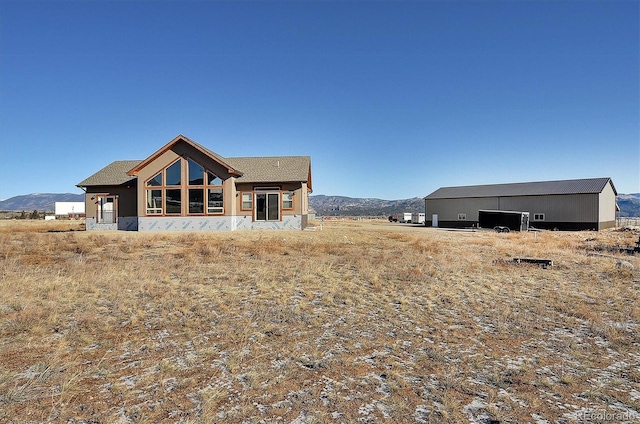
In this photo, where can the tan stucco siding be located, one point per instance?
(239, 189)
(299, 203)
(304, 199)
(298, 200)
(230, 196)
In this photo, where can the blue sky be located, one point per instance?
(391, 99)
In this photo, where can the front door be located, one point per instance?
(107, 209)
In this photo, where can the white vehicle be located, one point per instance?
(404, 217)
(417, 218)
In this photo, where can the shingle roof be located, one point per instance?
(274, 169)
(541, 188)
(112, 174)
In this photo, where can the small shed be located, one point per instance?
(581, 204)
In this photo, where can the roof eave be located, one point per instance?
(613, 187)
(130, 182)
(309, 182)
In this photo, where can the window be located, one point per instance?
(196, 173)
(196, 200)
(462, 217)
(247, 201)
(213, 179)
(174, 174)
(154, 197)
(155, 181)
(167, 191)
(287, 200)
(538, 217)
(154, 202)
(173, 201)
(214, 200)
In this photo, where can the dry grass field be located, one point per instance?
(360, 322)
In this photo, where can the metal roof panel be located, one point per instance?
(540, 188)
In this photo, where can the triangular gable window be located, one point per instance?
(213, 179)
(155, 181)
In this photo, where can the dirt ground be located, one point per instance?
(355, 321)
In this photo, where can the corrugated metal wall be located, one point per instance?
(556, 208)
(607, 211)
(448, 209)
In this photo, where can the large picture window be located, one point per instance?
(184, 187)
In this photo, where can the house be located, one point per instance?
(185, 186)
(565, 205)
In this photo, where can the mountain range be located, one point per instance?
(350, 206)
(323, 205)
(43, 202)
(629, 204)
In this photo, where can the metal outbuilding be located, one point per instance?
(564, 205)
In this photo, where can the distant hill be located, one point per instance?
(629, 204)
(349, 206)
(323, 205)
(43, 202)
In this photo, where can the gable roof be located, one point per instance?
(112, 174)
(180, 138)
(276, 169)
(540, 188)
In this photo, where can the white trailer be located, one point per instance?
(404, 217)
(69, 208)
(417, 218)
